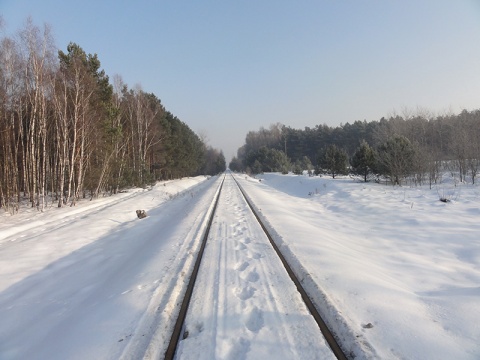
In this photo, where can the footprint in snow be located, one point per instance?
(244, 293)
(240, 246)
(254, 319)
(242, 266)
(256, 255)
(252, 276)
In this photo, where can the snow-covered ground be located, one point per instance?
(393, 257)
(94, 281)
(396, 271)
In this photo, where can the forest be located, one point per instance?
(416, 146)
(67, 132)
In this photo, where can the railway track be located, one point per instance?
(236, 227)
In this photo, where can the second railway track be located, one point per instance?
(243, 298)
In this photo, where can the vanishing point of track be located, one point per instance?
(177, 331)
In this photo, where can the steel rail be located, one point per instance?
(177, 330)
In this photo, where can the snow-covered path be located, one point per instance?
(104, 286)
(244, 305)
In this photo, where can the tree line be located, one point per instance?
(67, 132)
(414, 147)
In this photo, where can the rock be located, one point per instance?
(141, 214)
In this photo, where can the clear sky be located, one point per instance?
(228, 67)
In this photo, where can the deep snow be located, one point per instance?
(397, 270)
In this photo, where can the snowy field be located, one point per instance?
(396, 270)
(401, 267)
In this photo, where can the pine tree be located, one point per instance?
(363, 161)
(396, 158)
(334, 160)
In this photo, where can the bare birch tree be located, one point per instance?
(37, 52)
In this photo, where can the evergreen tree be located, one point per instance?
(396, 158)
(334, 160)
(269, 160)
(214, 162)
(220, 163)
(363, 161)
(235, 164)
(257, 167)
(306, 164)
(298, 168)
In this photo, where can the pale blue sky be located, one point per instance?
(227, 67)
